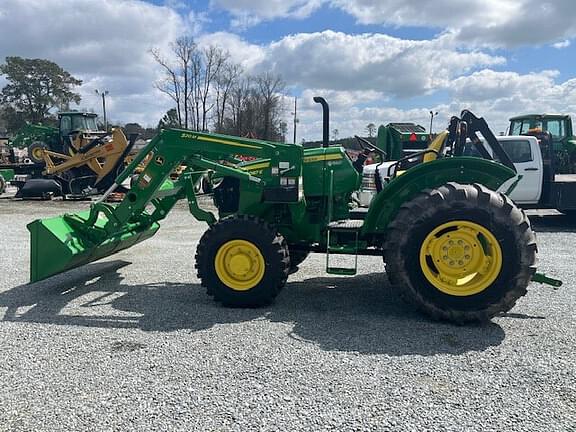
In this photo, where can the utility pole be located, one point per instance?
(103, 93)
(432, 115)
(295, 117)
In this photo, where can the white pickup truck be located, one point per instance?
(540, 187)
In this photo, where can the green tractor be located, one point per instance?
(559, 126)
(35, 138)
(402, 139)
(452, 245)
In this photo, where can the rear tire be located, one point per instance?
(490, 236)
(242, 262)
(2, 185)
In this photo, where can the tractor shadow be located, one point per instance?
(357, 314)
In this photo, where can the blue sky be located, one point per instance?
(375, 61)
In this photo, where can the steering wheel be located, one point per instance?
(367, 145)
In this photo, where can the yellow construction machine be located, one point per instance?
(90, 166)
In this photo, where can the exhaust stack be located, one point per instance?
(325, 120)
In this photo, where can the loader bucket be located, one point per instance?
(62, 243)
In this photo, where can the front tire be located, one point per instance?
(35, 152)
(461, 253)
(242, 262)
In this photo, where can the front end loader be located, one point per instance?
(452, 245)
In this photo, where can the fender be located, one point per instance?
(429, 175)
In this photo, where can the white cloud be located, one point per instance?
(496, 96)
(196, 22)
(439, 13)
(377, 62)
(241, 52)
(500, 95)
(499, 23)
(490, 85)
(250, 12)
(562, 44)
(105, 43)
(362, 76)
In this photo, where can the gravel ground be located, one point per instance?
(113, 346)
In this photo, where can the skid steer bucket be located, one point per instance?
(62, 243)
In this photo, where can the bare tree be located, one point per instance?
(176, 80)
(224, 84)
(371, 129)
(209, 90)
(238, 106)
(185, 49)
(269, 88)
(170, 84)
(205, 68)
(255, 107)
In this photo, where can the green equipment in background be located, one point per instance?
(559, 126)
(401, 139)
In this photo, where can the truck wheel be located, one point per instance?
(35, 152)
(2, 184)
(242, 262)
(461, 253)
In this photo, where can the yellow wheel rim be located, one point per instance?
(461, 258)
(37, 153)
(239, 265)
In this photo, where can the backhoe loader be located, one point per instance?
(453, 244)
(90, 166)
(72, 159)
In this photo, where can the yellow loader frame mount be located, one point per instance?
(100, 157)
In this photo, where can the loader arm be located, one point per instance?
(62, 243)
(467, 126)
(201, 152)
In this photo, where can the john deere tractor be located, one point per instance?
(453, 244)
